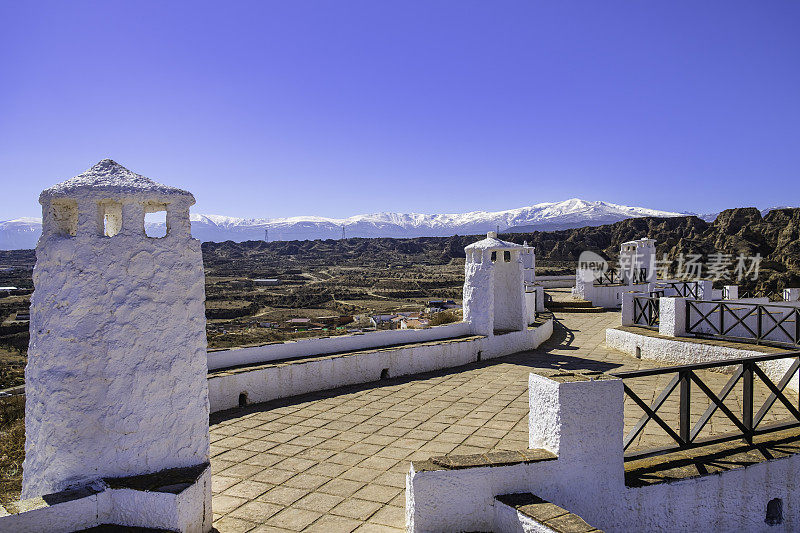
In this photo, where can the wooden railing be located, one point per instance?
(748, 322)
(646, 311)
(609, 277)
(748, 421)
(686, 289)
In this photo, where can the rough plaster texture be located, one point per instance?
(189, 511)
(71, 514)
(478, 296)
(735, 500)
(530, 306)
(672, 316)
(110, 178)
(509, 294)
(116, 378)
(627, 307)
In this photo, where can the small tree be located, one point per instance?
(445, 317)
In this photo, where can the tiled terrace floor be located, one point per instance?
(336, 460)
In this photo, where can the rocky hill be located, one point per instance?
(776, 237)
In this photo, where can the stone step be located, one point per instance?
(528, 512)
(580, 309)
(557, 304)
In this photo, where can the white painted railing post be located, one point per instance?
(580, 418)
(672, 316)
(730, 292)
(627, 307)
(791, 294)
(540, 299)
(705, 289)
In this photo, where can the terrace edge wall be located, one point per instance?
(682, 352)
(582, 422)
(301, 377)
(328, 345)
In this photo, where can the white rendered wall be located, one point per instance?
(70, 515)
(585, 427)
(116, 376)
(627, 307)
(675, 351)
(672, 316)
(120, 507)
(610, 296)
(584, 480)
(509, 303)
(508, 520)
(637, 255)
(550, 282)
(328, 345)
(528, 259)
(292, 379)
(540, 308)
(530, 306)
(478, 298)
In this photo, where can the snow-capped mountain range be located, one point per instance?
(23, 232)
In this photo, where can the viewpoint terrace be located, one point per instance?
(516, 419)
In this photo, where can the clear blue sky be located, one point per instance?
(336, 108)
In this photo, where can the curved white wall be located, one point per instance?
(330, 345)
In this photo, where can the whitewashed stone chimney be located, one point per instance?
(116, 377)
(637, 261)
(494, 292)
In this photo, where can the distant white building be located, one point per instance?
(266, 282)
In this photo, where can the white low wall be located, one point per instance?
(610, 296)
(508, 520)
(189, 511)
(731, 501)
(582, 422)
(675, 351)
(328, 345)
(553, 282)
(323, 373)
(530, 306)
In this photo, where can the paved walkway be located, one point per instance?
(336, 461)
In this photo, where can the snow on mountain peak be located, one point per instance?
(545, 216)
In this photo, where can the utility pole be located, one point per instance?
(266, 235)
(343, 237)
